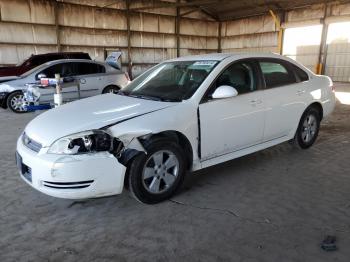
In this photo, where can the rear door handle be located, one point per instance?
(82, 80)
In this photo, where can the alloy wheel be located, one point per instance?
(18, 103)
(309, 128)
(160, 172)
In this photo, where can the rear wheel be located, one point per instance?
(111, 89)
(308, 128)
(155, 176)
(16, 102)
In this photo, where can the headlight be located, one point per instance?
(85, 142)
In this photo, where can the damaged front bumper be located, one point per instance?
(70, 176)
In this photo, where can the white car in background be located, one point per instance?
(93, 77)
(181, 115)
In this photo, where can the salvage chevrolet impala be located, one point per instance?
(181, 115)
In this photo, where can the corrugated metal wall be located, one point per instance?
(338, 44)
(256, 34)
(28, 27)
(309, 21)
(37, 26)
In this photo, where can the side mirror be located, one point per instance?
(224, 92)
(41, 76)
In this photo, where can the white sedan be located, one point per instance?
(181, 115)
(94, 78)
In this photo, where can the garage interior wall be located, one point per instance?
(38, 26)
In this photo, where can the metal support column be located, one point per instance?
(219, 38)
(57, 27)
(320, 68)
(127, 2)
(278, 22)
(177, 29)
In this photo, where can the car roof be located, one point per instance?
(222, 56)
(54, 62)
(60, 53)
(71, 60)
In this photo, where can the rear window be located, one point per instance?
(300, 73)
(78, 56)
(276, 74)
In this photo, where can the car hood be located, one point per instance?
(87, 114)
(8, 78)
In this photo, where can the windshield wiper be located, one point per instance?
(154, 98)
(148, 97)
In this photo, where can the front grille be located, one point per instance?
(68, 185)
(30, 143)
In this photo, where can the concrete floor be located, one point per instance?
(274, 205)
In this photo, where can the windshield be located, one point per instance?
(31, 71)
(170, 81)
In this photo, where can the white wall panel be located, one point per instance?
(198, 28)
(198, 42)
(92, 37)
(248, 41)
(26, 33)
(11, 54)
(139, 39)
(252, 25)
(308, 13)
(29, 11)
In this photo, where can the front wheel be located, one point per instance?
(155, 176)
(16, 102)
(308, 128)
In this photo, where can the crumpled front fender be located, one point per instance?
(131, 139)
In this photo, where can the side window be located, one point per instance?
(239, 75)
(300, 73)
(51, 71)
(90, 68)
(64, 69)
(276, 74)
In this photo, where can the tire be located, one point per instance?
(308, 128)
(15, 101)
(110, 89)
(152, 177)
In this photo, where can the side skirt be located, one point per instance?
(241, 152)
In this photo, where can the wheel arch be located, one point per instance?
(10, 93)
(318, 107)
(177, 137)
(113, 85)
(170, 135)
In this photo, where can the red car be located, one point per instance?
(36, 60)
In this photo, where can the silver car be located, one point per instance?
(92, 77)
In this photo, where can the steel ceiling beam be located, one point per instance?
(161, 4)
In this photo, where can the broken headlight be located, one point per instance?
(86, 142)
